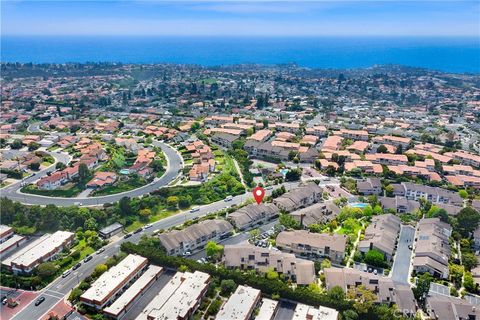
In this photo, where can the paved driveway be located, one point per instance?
(401, 263)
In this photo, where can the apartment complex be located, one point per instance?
(317, 213)
(123, 304)
(253, 214)
(240, 305)
(248, 257)
(41, 250)
(413, 191)
(440, 307)
(300, 197)
(386, 289)
(194, 237)
(306, 312)
(305, 243)
(179, 298)
(432, 248)
(381, 235)
(111, 284)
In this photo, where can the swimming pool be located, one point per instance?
(360, 205)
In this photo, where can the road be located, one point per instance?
(401, 263)
(61, 287)
(175, 165)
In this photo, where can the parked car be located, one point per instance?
(410, 247)
(194, 209)
(75, 267)
(138, 230)
(128, 235)
(148, 226)
(39, 301)
(66, 273)
(87, 258)
(4, 300)
(228, 198)
(100, 250)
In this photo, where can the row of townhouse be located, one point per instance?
(432, 247)
(369, 186)
(442, 307)
(381, 234)
(251, 215)
(318, 213)
(399, 204)
(465, 158)
(413, 191)
(386, 290)
(305, 243)
(179, 242)
(361, 135)
(300, 197)
(265, 150)
(387, 158)
(248, 257)
(393, 140)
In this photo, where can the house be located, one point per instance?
(442, 307)
(249, 257)
(261, 135)
(253, 214)
(300, 197)
(317, 213)
(381, 235)
(399, 204)
(432, 247)
(54, 181)
(101, 179)
(305, 243)
(196, 236)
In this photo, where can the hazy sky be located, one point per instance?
(240, 18)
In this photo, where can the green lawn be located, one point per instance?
(161, 214)
(121, 186)
(83, 248)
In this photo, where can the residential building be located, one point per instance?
(306, 312)
(179, 298)
(224, 139)
(316, 213)
(305, 243)
(267, 309)
(249, 257)
(128, 298)
(399, 204)
(381, 234)
(386, 290)
(5, 232)
(41, 250)
(12, 243)
(196, 236)
(240, 305)
(300, 197)
(111, 284)
(441, 307)
(111, 230)
(432, 247)
(369, 186)
(101, 179)
(253, 214)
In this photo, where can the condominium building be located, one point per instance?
(111, 284)
(432, 247)
(300, 197)
(240, 305)
(253, 214)
(305, 243)
(179, 298)
(248, 257)
(306, 312)
(381, 235)
(194, 237)
(41, 250)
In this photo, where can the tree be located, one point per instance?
(32, 146)
(463, 194)
(125, 206)
(83, 172)
(293, 174)
(46, 270)
(399, 149)
(172, 202)
(184, 201)
(213, 250)
(362, 297)
(289, 222)
(469, 260)
(389, 190)
(467, 221)
(375, 258)
(456, 274)
(34, 166)
(99, 270)
(227, 286)
(469, 283)
(254, 234)
(16, 144)
(326, 264)
(420, 291)
(145, 214)
(271, 274)
(156, 165)
(382, 149)
(350, 315)
(336, 294)
(60, 166)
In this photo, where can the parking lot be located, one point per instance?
(22, 297)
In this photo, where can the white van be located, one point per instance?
(229, 198)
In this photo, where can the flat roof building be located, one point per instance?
(11, 244)
(5, 232)
(41, 250)
(126, 300)
(267, 310)
(306, 312)
(107, 287)
(110, 230)
(179, 298)
(240, 305)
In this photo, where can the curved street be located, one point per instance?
(174, 166)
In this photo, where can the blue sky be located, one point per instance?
(270, 18)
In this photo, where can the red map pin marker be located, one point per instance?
(258, 194)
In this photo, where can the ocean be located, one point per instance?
(449, 54)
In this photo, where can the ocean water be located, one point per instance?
(448, 54)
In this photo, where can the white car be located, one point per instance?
(148, 226)
(194, 209)
(229, 198)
